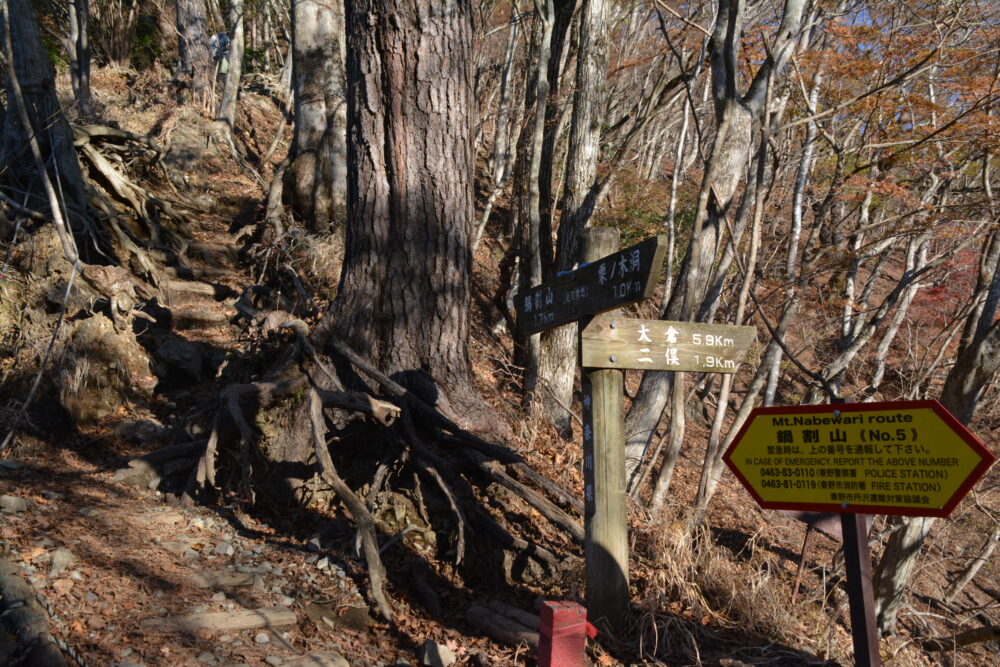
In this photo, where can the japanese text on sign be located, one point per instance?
(613, 281)
(662, 345)
(904, 458)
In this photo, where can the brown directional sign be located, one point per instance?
(665, 346)
(905, 457)
(611, 282)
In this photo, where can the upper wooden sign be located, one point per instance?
(665, 346)
(613, 281)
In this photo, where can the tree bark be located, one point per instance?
(79, 55)
(972, 569)
(558, 362)
(530, 234)
(227, 108)
(405, 283)
(316, 180)
(194, 69)
(49, 129)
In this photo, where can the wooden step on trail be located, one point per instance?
(319, 659)
(224, 579)
(229, 621)
(185, 318)
(200, 273)
(178, 291)
(221, 255)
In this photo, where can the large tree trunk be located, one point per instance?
(31, 83)
(558, 362)
(404, 299)
(79, 55)
(530, 237)
(316, 180)
(195, 70)
(227, 108)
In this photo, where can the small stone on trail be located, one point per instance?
(190, 553)
(274, 661)
(225, 639)
(287, 601)
(219, 597)
(436, 655)
(182, 356)
(224, 549)
(51, 495)
(13, 505)
(62, 586)
(140, 430)
(207, 658)
(315, 544)
(261, 638)
(61, 559)
(323, 563)
(90, 597)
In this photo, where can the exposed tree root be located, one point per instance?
(987, 633)
(362, 517)
(436, 450)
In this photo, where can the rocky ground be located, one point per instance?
(128, 577)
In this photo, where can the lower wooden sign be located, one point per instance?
(664, 346)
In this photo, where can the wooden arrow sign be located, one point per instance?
(665, 346)
(611, 282)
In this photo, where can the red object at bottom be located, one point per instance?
(562, 635)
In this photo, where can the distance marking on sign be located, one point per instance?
(665, 346)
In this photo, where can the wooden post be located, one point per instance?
(860, 598)
(606, 527)
(858, 564)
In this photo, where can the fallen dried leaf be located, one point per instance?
(62, 586)
(33, 554)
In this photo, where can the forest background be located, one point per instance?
(391, 174)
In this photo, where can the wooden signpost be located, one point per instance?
(908, 458)
(609, 281)
(609, 344)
